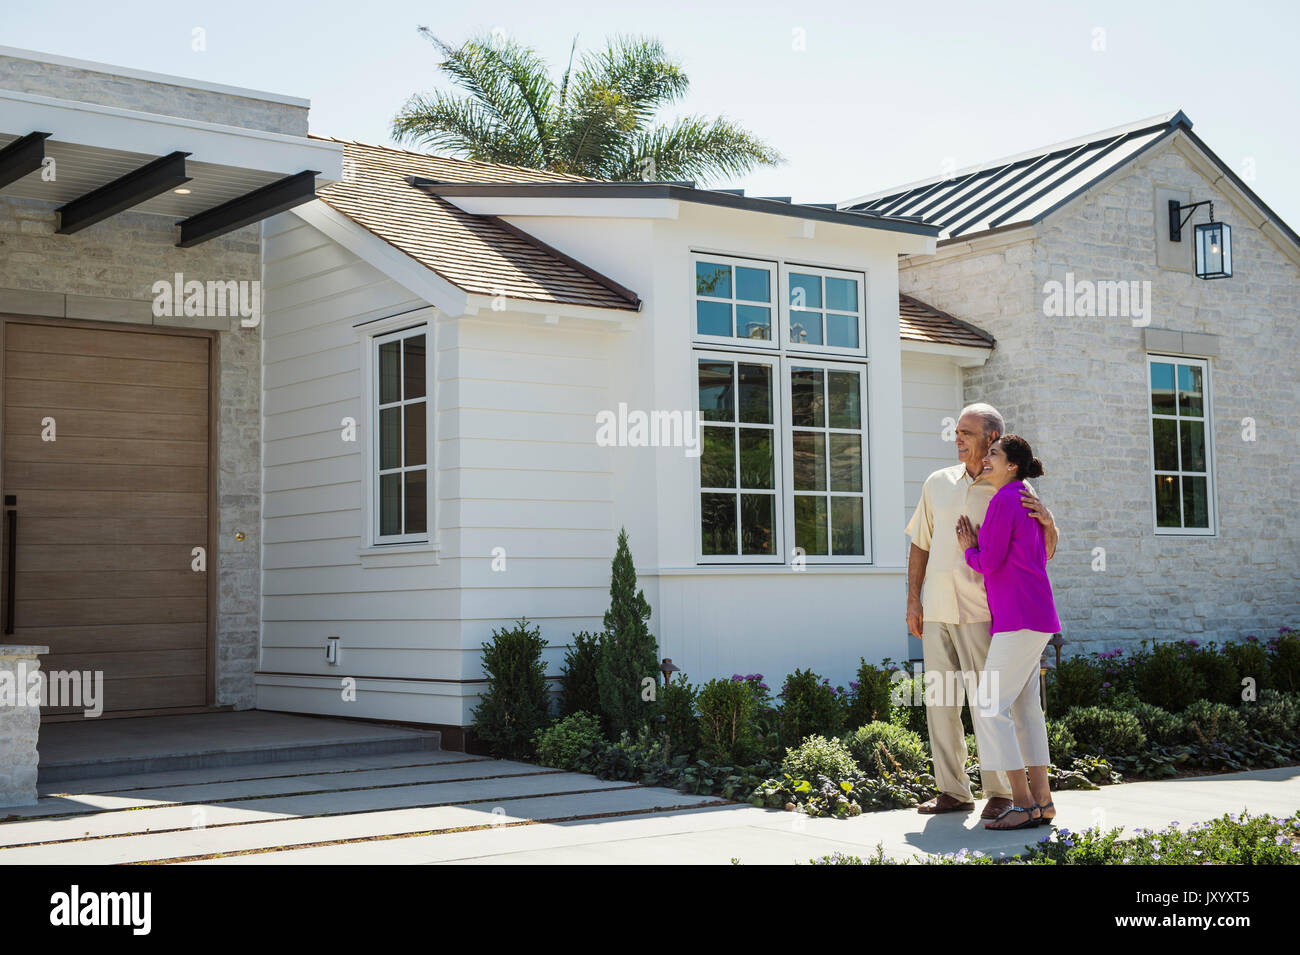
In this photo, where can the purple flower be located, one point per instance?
(853, 686)
(1253, 639)
(1105, 686)
(1193, 643)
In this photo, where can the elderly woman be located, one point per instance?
(1009, 551)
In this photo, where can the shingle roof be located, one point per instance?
(1019, 189)
(480, 254)
(918, 322)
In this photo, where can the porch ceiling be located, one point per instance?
(93, 147)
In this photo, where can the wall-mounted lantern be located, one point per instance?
(1213, 245)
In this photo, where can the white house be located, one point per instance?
(452, 351)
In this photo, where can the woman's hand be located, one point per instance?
(967, 536)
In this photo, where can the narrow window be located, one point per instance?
(401, 452)
(1180, 445)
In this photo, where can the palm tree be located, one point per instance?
(598, 121)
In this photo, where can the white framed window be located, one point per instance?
(738, 504)
(783, 468)
(734, 301)
(823, 310)
(1181, 445)
(399, 452)
(826, 445)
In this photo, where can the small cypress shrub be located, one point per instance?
(726, 709)
(869, 695)
(819, 756)
(517, 701)
(878, 747)
(1284, 665)
(1251, 660)
(1076, 682)
(809, 705)
(1100, 731)
(578, 690)
(1218, 673)
(628, 653)
(1167, 677)
(1274, 716)
(681, 725)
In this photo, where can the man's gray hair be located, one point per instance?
(991, 417)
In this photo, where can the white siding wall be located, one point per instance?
(395, 621)
(932, 391)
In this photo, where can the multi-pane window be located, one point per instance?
(401, 445)
(1180, 445)
(734, 299)
(825, 310)
(738, 509)
(827, 441)
(783, 463)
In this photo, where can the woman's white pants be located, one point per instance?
(1009, 724)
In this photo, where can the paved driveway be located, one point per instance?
(440, 807)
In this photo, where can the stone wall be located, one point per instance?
(149, 96)
(20, 726)
(1077, 389)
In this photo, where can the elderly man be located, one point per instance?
(951, 613)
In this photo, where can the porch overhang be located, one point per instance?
(96, 161)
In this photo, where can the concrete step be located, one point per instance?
(117, 747)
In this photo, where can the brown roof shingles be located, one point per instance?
(918, 322)
(485, 256)
(474, 253)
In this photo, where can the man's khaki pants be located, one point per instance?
(954, 655)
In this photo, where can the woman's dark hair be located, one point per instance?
(1020, 454)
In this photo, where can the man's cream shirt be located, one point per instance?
(952, 592)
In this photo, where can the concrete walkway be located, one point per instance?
(441, 807)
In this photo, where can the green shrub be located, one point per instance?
(1076, 682)
(570, 743)
(869, 695)
(1218, 673)
(1160, 726)
(906, 702)
(1209, 722)
(643, 758)
(819, 756)
(681, 725)
(1284, 666)
(1251, 660)
(1166, 677)
(516, 703)
(628, 652)
(1274, 715)
(1108, 732)
(879, 747)
(809, 705)
(726, 709)
(578, 690)
(1060, 743)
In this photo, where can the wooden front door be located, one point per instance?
(106, 451)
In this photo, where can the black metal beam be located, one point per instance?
(135, 187)
(253, 207)
(24, 155)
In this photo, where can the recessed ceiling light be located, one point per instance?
(182, 191)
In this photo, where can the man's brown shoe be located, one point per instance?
(944, 803)
(994, 806)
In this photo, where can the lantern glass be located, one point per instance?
(1213, 251)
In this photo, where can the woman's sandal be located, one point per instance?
(1029, 823)
(1044, 820)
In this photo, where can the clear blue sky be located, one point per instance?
(881, 94)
